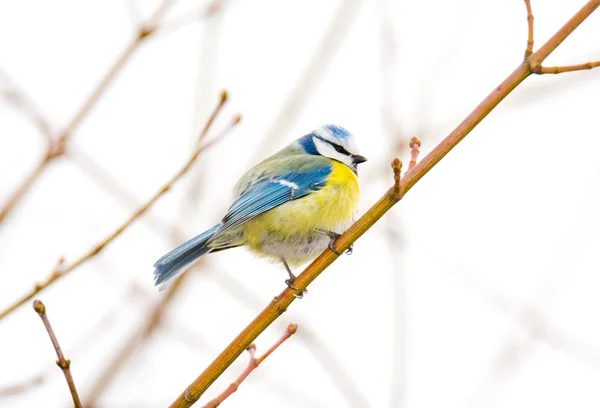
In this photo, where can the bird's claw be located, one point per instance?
(332, 237)
(289, 284)
(332, 247)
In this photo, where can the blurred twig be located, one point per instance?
(56, 147)
(324, 356)
(21, 386)
(94, 170)
(252, 365)
(313, 72)
(22, 101)
(210, 10)
(61, 272)
(280, 303)
(63, 363)
(119, 358)
(154, 318)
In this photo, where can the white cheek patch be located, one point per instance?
(325, 149)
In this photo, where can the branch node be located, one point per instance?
(535, 66)
(65, 364)
(145, 31)
(188, 395)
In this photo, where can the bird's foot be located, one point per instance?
(332, 237)
(289, 282)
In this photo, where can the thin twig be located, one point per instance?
(529, 49)
(252, 365)
(22, 386)
(63, 363)
(57, 147)
(568, 68)
(142, 210)
(208, 11)
(280, 303)
(22, 101)
(118, 359)
(154, 318)
(112, 185)
(309, 79)
(414, 144)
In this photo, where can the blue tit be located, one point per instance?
(288, 208)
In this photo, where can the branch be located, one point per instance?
(63, 363)
(536, 59)
(57, 147)
(252, 365)
(529, 49)
(280, 303)
(567, 68)
(62, 272)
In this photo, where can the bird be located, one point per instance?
(288, 208)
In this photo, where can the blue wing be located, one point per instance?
(270, 192)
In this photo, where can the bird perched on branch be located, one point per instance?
(288, 208)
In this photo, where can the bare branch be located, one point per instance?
(57, 147)
(529, 49)
(22, 101)
(63, 363)
(252, 365)
(122, 356)
(567, 68)
(212, 9)
(313, 72)
(142, 210)
(21, 386)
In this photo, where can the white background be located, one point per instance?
(480, 289)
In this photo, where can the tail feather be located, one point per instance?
(180, 259)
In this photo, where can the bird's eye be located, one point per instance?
(339, 149)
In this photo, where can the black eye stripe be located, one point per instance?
(340, 149)
(337, 147)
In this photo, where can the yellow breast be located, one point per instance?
(332, 208)
(338, 200)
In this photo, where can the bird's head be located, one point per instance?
(334, 142)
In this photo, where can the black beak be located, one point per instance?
(357, 158)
